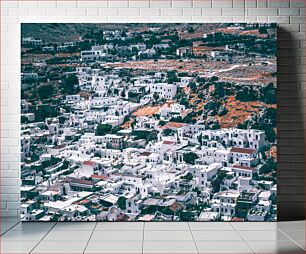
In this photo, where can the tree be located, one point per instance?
(268, 167)
(189, 119)
(215, 126)
(246, 94)
(200, 137)
(269, 93)
(177, 119)
(24, 119)
(192, 86)
(69, 84)
(140, 134)
(116, 129)
(184, 102)
(262, 30)
(121, 203)
(126, 118)
(186, 216)
(65, 164)
(188, 177)
(133, 123)
(162, 123)
(116, 91)
(45, 91)
(155, 96)
(172, 78)
(152, 136)
(222, 111)
(190, 158)
(103, 129)
(215, 184)
(168, 132)
(214, 79)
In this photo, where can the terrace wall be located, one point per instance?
(289, 14)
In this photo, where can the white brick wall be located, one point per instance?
(289, 13)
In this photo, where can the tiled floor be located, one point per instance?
(156, 237)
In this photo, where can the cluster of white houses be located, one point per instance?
(38, 43)
(140, 167)
(83, 176)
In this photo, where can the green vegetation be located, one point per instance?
(121, 203)
(247, 93)
(222, 89)
(143, 134)
(155, 96)
(162, 123)
(70, 83)
(268, 167)
(24, 119)
(192, 86)
(187, 216)
(269, 94)
(184, 101)
(263, 30)
(266, 122)
(45, 91)
(218, 180)
(103, 129)
(213, 107)
(190, 158)
(116, 129)
(172, 77)
(188, 177)
(168, 132)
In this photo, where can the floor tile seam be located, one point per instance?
(142, 242)
(291, 239)
(274, 225)
(165, 230)
(195, 243)
(10, 228)
(139, 240)
(244, 240)
(93, 230)
(31, 251)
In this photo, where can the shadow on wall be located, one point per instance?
(290, 130)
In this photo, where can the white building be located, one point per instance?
(72, 99)
(30, 41)
(173, 109)
(205, 173)
(93, 54)
(254, 139)
(29, 116)
(244, 156)
(164, 90)
(224, 202)
(133, 204)
(48, 48)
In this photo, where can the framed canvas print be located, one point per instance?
(148, 122)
